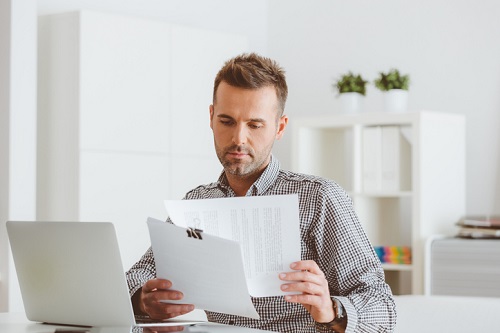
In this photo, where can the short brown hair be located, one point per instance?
(252, 71)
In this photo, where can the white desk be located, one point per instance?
(440, 314)
(416, 314)
(17, 323)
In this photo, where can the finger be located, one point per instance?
(305, 299)
(305, 276)
(166, 310)
(156, 284)
(306, 265)
(163, 295)
(304, 287)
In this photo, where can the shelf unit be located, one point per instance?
(429, 198)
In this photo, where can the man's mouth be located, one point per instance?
(237, 154)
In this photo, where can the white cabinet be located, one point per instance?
(124, 118)
(426, 194)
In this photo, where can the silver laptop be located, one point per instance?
(71, 273)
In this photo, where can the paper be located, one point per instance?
(268, 228)
(208, 271)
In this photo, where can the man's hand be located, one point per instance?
(310, 281)
(157, 290)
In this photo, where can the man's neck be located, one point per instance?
(239, 184)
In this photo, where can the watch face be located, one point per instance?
(337, 309)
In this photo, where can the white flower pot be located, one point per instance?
(396, 100)
(351, 102)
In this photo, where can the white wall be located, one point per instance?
(241, 17)
(4, 146)
(450, 49)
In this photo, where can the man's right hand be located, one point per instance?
(156, 290)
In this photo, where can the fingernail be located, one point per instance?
(284, 287)
(282, 275)
(293, 265)
(287, 298)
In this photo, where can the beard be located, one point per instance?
(247, 166)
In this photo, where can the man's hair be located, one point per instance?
(252, 71)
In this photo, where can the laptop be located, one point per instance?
(71, 273)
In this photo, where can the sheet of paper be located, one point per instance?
(268, 228)
(208, 271)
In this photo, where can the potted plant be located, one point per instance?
(395, 88)
(351, 89)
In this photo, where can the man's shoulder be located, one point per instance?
(306, 179)
(205, 191)
(310, 184)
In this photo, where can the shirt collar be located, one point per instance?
(261, 185)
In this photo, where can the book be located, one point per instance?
(480, 221)
(478, 232)
(394, 254)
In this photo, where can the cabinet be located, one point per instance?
(463, 267)
(428, 196)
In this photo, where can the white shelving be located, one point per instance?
(429, 197)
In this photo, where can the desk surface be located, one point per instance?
(440, 314)
(18, 323)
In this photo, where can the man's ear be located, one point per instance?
(211, 109)
(281, 126)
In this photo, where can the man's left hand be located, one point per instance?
(308, 279)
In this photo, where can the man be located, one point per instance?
(339, 279)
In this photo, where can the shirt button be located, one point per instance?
(231, 322)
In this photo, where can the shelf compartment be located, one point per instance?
(327, 152)
(386, 220)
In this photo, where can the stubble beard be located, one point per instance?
(238, 167)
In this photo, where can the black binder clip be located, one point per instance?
(194, 233)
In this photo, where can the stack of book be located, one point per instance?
(394, 254)
(487, 227)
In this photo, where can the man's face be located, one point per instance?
(245, 126)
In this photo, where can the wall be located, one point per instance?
(4, 147)
(449, 48)
(234, 16)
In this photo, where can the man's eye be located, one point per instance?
(226, 122)
(255, 126)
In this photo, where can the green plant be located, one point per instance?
(351, 83)
(392, 80)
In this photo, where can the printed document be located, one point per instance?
(243, 245)
(267, 228)
(207, 270)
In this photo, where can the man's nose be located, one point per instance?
(239, 135)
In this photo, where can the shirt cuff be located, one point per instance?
(352, 315)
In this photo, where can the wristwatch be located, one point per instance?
(340, 315)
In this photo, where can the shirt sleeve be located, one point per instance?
(354, 273)
(141, 272)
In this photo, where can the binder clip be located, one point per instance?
(194, 233)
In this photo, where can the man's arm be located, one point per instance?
(338, 244)
(351, 267)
